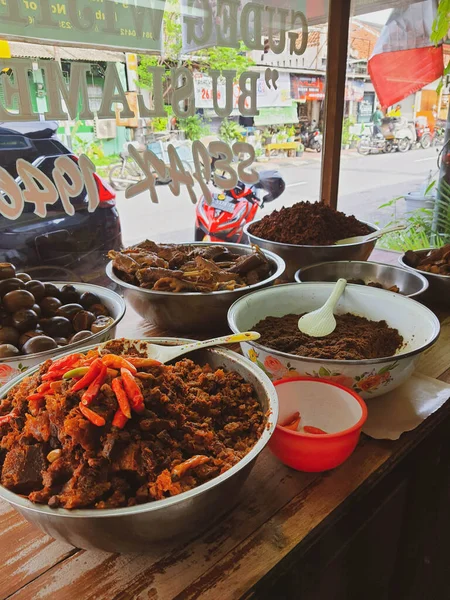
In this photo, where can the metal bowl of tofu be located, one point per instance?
(184, 312)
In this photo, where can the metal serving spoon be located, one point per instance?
(321, 322)
(359, 239)
(166, 353)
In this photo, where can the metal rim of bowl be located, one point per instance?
(332, 361)
(78, 513)
(401, 260)
(279, 263)
(100, 292)
(251, 235)
(420, 277)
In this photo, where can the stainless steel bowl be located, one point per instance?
(410, 284)
(297, 256)
(10, 367)
(439, 285)
(192, 311)
(144, 527)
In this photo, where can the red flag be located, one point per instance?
(405, 59)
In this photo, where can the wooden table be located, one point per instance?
(377, 527)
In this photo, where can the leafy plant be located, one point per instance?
(291, 131)
(194, 127)
(230, 131)
(346, 135)
(439, 32)
(419, 233)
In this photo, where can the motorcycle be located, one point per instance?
(374, 143)
(230, 210)
(311, 137)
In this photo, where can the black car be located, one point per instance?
(59, 246)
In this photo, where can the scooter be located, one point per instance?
(230, 210)
(311, 138)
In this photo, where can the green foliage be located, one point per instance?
(439, 32)
(441, 215)
(194, 127)
(290, 131)
(346, 135)
(419, 233)
(225, 58)
(230, 131)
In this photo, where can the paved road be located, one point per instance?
(366, 183)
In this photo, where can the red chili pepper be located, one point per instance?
(43, 387)
(87, 379)
(92, 392)
(133, 391)
(35, 397)
(118, 362)
(65, 362)
(315, 430)
(143, 363)
(92, 416)
(53, 375)
(119, 419)
(122, 398)
(293, 422)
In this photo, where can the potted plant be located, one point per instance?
(300, 150)
(291, 134)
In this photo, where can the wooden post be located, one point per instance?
(338, 28)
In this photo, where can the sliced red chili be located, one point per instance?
(119, 419)
(122, 399)
(293, 422)
(133, 391)
(94, 388)
(92, 416)
(65, 362)
(87, 379)
(314, 430)
(118, 362)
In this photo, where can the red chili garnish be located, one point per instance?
(92, 392)
(43, 387)
(315, 430)
(92, 416)
(122, 399)
(53, 375)
(133, 391)
(119, 419)
(118, 362)
(65, 362)
(87, 379)
(143, 363)
(293, 422)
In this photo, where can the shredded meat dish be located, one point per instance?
(186, 268)
(72, 445)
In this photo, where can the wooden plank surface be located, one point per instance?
(279, 509)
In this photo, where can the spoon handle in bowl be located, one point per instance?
(335, 295)
(247, 336)
(377, 234)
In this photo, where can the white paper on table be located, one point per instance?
(405, 408)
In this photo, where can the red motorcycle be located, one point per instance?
(230, 210)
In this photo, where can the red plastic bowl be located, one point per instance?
(323, 404)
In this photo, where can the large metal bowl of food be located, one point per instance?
(375, 347)
(150, 469)
(297, 256)
(383, 276)
(188, 311)
(431, 263)
(94, 320)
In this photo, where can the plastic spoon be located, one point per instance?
(166, 353)
(359, 239)
(321, 322)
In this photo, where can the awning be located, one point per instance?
(24, 50)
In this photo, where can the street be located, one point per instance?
(366, 183)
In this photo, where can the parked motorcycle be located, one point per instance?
(230, 210)
(374, 143)
(311, 137)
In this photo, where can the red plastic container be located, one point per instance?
(328, 406)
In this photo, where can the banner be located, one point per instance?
(305, 88)
(128, 25)
(266, 96)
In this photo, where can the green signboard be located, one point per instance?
(132, 25)
(277, 115)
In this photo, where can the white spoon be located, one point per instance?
(321, 322)
(371, 236)
(166, 353)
